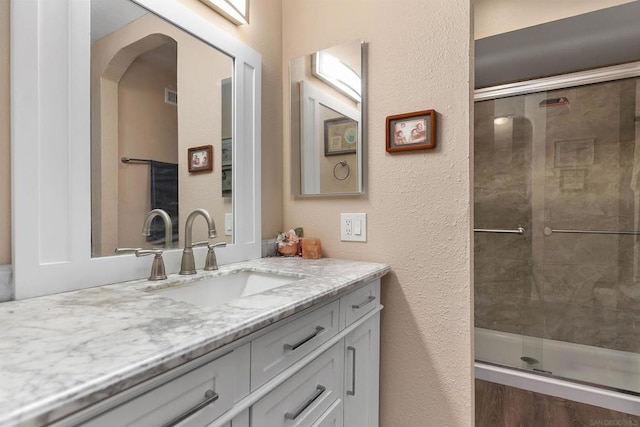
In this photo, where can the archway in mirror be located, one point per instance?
(142, 131)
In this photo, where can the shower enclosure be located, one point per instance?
(557, 227)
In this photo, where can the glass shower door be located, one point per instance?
(564, 165)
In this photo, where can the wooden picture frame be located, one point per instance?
(340, 136)
(411, 131)
(200, 158)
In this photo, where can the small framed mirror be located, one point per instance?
(328, 99)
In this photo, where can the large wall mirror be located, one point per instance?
(120, 107)
(156, 92)
(328, 97)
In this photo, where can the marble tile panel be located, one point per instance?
(501, 270)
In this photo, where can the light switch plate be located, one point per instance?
(353, 227)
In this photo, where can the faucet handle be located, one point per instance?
(127, 250)
(211, 263)
(157, 268)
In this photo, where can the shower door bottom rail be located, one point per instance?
(519, 231)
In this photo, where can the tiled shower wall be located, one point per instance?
(573, 167)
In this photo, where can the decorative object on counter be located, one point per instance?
(200, 158)
(288, 242)
(311, 248)
(411, 131)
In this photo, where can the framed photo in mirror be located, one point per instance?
(340, 136)
(200, 158)
(411, 131)
(227, 181)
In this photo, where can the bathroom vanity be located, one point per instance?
(300, 353)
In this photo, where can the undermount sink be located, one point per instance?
(220, 289)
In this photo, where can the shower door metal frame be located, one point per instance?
(581, 78)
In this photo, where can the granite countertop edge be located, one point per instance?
(199, 332)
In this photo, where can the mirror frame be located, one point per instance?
(298, 128)
(51, 148)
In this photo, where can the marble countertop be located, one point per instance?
(61, 353)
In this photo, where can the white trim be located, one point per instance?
(51, 194)
(559, 388)
(599, 75)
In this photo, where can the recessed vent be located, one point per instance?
(170, 97)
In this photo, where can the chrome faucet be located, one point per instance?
(188, 264)
(168, 226)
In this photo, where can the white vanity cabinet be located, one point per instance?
(361, 379)
(316, 368)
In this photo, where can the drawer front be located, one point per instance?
(333, 417)
(282, 347)
(205, 393)
(358, 303)
(306, 396)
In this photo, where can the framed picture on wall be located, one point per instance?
(340, 136)
(200, 158)
(411, 131)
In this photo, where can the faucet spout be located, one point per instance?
(187, 265)
(168, 227)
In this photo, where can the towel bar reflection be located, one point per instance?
(548, 232)
(519, 231)
(131, 160)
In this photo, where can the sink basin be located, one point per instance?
(220, 289)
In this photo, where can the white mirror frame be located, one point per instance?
(51, 148)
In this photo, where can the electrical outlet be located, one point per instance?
(353, 227)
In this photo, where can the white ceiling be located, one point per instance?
(108, 16)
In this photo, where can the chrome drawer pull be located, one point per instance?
(363, 303)
(352, 392)
(319, 390)
(210, 397)
(291, 347)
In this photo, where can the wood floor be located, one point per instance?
(502, 406)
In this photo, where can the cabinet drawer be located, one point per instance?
(212, 383)
(358, 303)
(333, 417)
(306, 396)
(280, 348)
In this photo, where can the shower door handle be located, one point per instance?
(519, 231)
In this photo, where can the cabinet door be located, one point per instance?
(362, 354)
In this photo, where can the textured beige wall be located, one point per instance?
(493, 17)
(263, 34)
(418, 204)
(5, 138)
